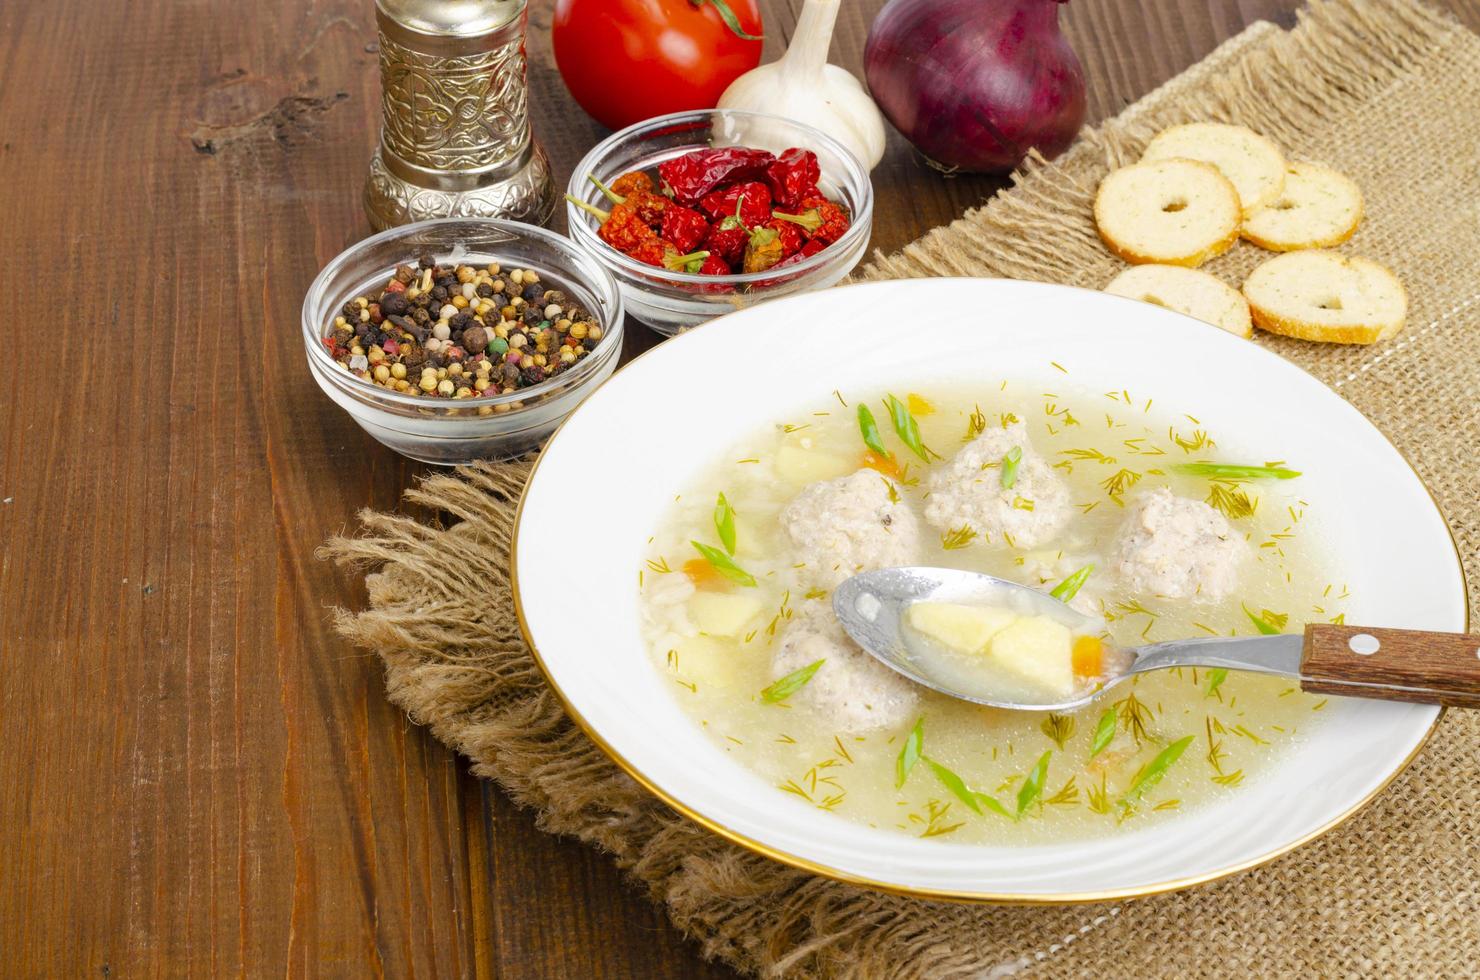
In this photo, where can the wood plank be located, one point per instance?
(199, 776)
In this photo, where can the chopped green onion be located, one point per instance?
(724, 522)
(1010, 464)
(791, 683)
(910, 754)
(906, 427)
(1216, 677)
(1261, 624)
(724, 564)
(1032, 787)
(1152, 773)
(1069, 587)
(1104, 732)
(953, 783)
(990, 802)
(1232, 471)
(870, 430)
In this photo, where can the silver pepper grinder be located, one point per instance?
(455, 136)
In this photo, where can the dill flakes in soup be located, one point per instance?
(1129, 514)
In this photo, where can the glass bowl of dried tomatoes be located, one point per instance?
(701, 213)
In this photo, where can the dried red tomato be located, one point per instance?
(664, 255)
(695, 174)
(823, 220)
(649, 206)
(751, 200)
(624, 230)
(789, 234)
(727, 239)
(632, 181)
(763, 250)
(793, 176)
(621, 227)
(684, 227)
(714, 266)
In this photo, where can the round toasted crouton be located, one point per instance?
(1317, 209)
(1252, 162)
(1187, 291)
(1323, 296)
(1175, 212)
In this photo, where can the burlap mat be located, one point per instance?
(1387, 92)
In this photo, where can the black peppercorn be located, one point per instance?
(425, 260)
(398, 324)
(475, 340)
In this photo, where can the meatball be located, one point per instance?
(968, 491)
(853, 524)
(1178, 547)
(851, 689)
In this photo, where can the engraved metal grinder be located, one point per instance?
(455, 137)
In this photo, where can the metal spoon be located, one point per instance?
(1355, 661)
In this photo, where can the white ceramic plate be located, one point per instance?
(618, 461)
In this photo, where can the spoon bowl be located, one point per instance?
(872, 606)
(1435, 668)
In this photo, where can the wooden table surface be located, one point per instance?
(197, 776)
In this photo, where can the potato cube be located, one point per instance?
(1038, 651)
(722, 613)
(959, 627)
(707, 661)
(751, 534)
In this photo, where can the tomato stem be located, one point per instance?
(728, 16)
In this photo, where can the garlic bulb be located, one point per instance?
(802, 86)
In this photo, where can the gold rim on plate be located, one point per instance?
(970, 897)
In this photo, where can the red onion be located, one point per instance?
(975, 84)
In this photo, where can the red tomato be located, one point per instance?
(628, 60)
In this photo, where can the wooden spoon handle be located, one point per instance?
(1395, 665)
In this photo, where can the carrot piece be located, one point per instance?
(919, 405)
(883, 464)
(1088, 656)
(703, 574)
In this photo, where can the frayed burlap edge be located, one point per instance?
(462, 669)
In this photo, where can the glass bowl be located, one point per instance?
(673, 301)
(445, 431)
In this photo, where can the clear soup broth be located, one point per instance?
(914, 761)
